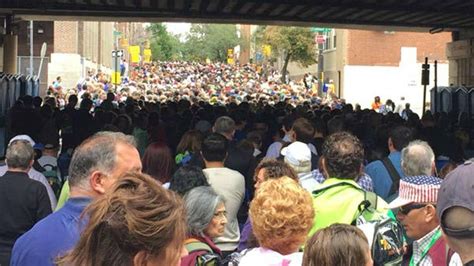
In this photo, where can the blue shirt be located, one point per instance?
(380, 176)
(52, 236)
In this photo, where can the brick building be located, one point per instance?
(73, 48)
(79, 47)
(364, 64)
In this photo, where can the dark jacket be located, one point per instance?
(23, 202)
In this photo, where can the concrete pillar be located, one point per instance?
(10, 54)
(460, 54)
(245, 47)
(10, 48)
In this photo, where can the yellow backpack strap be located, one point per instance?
(192, 245)
(190, 240)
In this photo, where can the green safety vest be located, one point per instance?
(340, 204)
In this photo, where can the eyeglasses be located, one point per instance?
(410, 207)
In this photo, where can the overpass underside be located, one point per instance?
(414, 14)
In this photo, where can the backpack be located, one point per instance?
(385, 234)
(206, 256)
(394, 176)
(51, 174)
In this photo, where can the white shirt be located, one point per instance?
(256, 152)
(455, 260)
(230, 185)
(267, 257)
(307, 181)
(35, 175)
(273, 151)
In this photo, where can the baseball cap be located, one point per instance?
(297, 153)
(23, 137)
(417, 189)
(457, 190)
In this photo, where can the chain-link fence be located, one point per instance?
(23, 66)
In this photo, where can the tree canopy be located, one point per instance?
(201, 42)
(164, 45)
(294, 44)
(210, 41)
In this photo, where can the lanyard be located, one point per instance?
(435, 238)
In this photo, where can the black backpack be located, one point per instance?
(394, 175)
(51, 174)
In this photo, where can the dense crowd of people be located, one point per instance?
(192, 164)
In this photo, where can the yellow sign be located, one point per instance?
(147, 55)
(267, 50)
(230, 56)
(134, 53)
(208, 61)
(123, 42)
(116, 79)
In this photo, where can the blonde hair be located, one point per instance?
(137, 214)
(281, 214)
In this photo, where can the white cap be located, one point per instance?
(23, 137)
(297, 153)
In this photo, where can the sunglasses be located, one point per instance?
(410, 207)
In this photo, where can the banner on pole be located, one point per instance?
(147, 55)
(134, 53)
(116, 79)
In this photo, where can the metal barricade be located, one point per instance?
(3, 94)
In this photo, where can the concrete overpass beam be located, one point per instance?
(460, 54)
(10, 48)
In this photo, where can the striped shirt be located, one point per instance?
(420, 245)
(364, 181)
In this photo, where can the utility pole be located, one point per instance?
(31, 48)
(425, 81)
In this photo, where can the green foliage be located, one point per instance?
(209, 41)
(164, 45)
(298, 42)
(201, 42)
(295, 44)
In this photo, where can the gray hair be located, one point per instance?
(224, 125)
(201, 203)
(417, 159)
(19, 154)
(97, 153)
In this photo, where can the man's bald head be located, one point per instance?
(97, 153)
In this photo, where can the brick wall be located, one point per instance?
(376, 48)
(66, 37)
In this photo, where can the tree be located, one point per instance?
(210, 41)
(164, 45)
(293, 43)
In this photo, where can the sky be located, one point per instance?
(178, 27)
